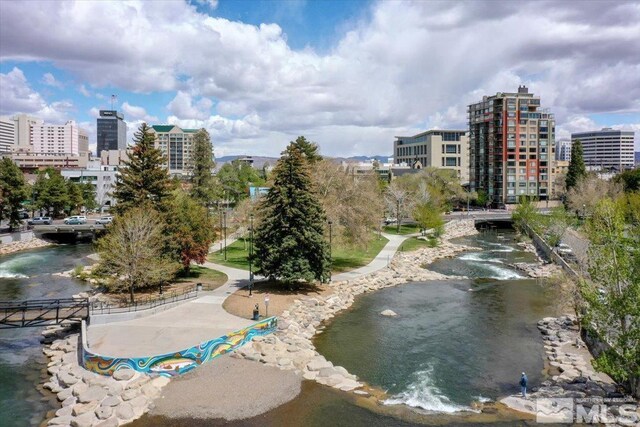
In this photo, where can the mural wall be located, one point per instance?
(177, 363)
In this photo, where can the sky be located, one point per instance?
(349, 75)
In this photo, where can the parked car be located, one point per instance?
(104, 220)
(388, 221)
(75, 220)
(23, 215)
(564, 248)
(40, 220)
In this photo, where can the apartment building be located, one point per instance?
(7, 134)
(511, 146)
(444, 149)
(176, 144)
(57, 139)
(607, 149)
(563, 150)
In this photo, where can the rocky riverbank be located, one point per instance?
(88, 399)
(25, 245)
(568, 363)
(292, 348)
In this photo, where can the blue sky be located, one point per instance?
(349, 75)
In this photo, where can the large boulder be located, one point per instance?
(92, 394)
(389, 313)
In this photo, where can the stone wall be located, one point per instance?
(16, 242)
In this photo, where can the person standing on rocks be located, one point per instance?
(523, 385)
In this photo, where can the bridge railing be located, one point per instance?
(16, 314)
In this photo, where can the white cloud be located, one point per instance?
(50, 80)
(135, 112)
(212, 4)
(84, 91)
(408, 66)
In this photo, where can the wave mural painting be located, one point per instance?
(176, 363)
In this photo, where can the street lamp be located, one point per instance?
(330, 257)
(250, 254)
(224, 215)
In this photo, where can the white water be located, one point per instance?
(422, 393)
(14, 268)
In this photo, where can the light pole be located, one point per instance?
(220, 217)
(468, 190)
(224, 215)
(330, 256)
(250, 254)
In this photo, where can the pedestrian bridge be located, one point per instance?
(63, 233)
(21, 314)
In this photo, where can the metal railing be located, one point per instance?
(21, 314)
(104, 307)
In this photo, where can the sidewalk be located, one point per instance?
(198, 320)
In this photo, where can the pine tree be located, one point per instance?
(144, 177)
(290, 243)
(309, 149)
(13, 191)
(203, 184)
(577, 171)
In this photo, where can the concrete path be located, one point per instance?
(198, 320)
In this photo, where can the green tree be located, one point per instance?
(629, 179)
(577, 171)
(190, 228)
(290, 243)
(203, 184)
(88, 195)
(310, 149)
(526, 215)
(74, 197)
(429, 217)
(57, 195)
(144, 177)
(13, 191)
(131, 253)
(612, 294)
(236, 178)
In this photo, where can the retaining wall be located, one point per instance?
(550, 254)
(175, 363)
(18, 236)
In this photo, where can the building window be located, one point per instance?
(451, 161)
(451, 149)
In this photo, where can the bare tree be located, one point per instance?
(399, 201)
(132, 251)
(583, 198)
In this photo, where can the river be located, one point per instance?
(28, 275)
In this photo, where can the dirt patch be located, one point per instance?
(280, 298)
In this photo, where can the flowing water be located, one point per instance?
(453, 343)
(28, 275)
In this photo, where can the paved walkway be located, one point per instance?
(198, 320)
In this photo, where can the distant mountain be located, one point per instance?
(259, 161)
(366, 158)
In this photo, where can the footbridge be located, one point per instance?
(68, 233)
(21, 314)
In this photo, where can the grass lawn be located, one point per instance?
(211, 279)
(344, 259)
(413, 243)
(404, 229)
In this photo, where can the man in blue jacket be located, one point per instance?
(523, 385)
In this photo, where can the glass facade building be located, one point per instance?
(111, 131)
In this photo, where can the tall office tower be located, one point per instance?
(111, 131)
(7, 134)
(55, 139)
(607, 148)
(563, 150)
(23, 125)
(511, 145)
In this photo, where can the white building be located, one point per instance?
(608, 148)
(23, 124)
(563, 150)
(175, 143)
(7, 134)
(113, 157)
(103, 179)
(57, 139)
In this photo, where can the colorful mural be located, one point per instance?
(172, 364)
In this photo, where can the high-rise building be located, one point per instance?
(175, 143)
(607, 148)
(445, 149)
(111, 131)
(7, 134)
(23, 131)
(55, 139)
(563, 150)
(511, 145)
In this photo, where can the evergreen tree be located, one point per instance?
(309, 149)
(144, 176)
(203, 184)
(88, 196)
(290, 243)
(74, 198)
(577, 171)
(13, 191)
(56, 192)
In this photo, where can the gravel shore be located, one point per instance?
(227, 388)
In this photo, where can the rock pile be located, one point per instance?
(538, 270)
(92, 400)
(33, 243)
(291, 347)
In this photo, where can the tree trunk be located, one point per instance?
(131, 293)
